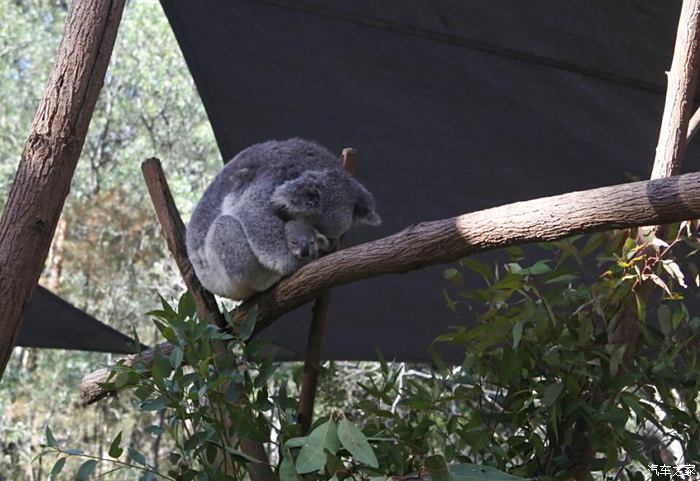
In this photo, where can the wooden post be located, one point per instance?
(677, 128)
(680, 93)
(317, 331)
(674, 135)
(50, 155)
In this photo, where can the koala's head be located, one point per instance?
(305, 242)
(329, 200)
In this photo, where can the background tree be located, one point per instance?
(108, 257)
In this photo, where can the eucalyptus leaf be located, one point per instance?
(114, 449)
(287, 471)
(551, 393)
(50, 440)
(296, 442)
(665, 317)
(136, 456)
(356, 443)
(248, 325)
(475, 472)
(57, 468)
(517, 333)
(85, 470)
(241, 456)
(437, 468)
(312, 456)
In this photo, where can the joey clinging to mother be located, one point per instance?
(272, 209)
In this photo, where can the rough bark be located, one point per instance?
(173, 230)
(317, 331)
(680, 93)
(50, 155)
(635, 204)
(677, 128)
(91, 384)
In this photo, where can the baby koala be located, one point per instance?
(304, 242)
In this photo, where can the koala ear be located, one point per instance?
(364, 212)
(324, 245)
(300, 197)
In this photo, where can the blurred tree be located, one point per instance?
(108, 258)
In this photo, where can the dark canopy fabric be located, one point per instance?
(51, 322)
(454, 106)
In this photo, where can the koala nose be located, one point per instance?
(304, 250)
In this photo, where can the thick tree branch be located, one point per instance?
(91, 385)
(660, 201)
(50, 155)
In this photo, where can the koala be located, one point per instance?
(256, 221)
(305, 242)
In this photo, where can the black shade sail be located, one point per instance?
(454, 106)
(51, 322)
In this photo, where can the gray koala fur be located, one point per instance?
(237, 238)
(305, 242)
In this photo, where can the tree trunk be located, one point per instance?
(50, 155)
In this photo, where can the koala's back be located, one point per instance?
(279, 161)
(251, 177)
(236, 238)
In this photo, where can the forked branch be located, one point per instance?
(653, 202)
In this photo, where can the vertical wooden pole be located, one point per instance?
(50, 155)
(680, 93)
(674, 135)
(317, 330)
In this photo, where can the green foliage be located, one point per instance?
(566, 368)
(213, 395)
(583, 361)
(191, 387)
(550, 381)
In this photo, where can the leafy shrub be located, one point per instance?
(584, 361)
(572, 368)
